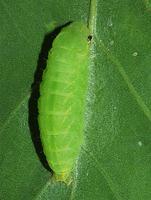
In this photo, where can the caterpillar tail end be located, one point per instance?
(63, 177)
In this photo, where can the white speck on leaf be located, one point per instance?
(109, 22)
(135, 54)
(112, 42)
(114, 107)
(140, 143)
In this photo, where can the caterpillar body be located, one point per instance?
(62, 99)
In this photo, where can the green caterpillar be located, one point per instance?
(62, 99)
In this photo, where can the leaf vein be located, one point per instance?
(13, 113)
(16, 26)
(125, 77)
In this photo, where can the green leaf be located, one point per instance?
(114, 163)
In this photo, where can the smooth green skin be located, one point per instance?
(62, 99)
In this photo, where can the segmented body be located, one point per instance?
(62, 99)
